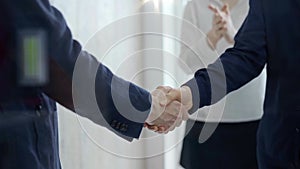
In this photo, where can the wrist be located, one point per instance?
(186, 96)
(156, 109)
(230, 34)
(212, 40)
(151, 115)
(195, 91)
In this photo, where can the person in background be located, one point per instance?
(233, 144)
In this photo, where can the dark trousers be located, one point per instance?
(232, 146)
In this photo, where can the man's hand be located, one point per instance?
(182, 94)
(222, 26)
(169, 108)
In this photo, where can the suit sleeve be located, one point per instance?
(66, 54)
(237, 66)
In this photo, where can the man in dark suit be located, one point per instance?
(28, 118)
(269, 35)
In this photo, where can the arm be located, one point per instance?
(125, 122)
(236, 66)
(64, 55)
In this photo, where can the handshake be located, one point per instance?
(169, 108)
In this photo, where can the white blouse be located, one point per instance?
(244, 104)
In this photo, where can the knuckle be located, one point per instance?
(177, 104)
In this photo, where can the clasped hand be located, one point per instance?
(222, 26)
(169, 108)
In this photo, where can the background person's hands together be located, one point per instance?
(169, 108)
(222, 26)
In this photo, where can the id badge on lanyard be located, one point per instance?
(32, 58)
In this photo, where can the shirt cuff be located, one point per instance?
(192, 84)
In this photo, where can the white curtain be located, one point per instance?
(84, 145)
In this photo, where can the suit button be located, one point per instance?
(118, 125)
(124, 127)
(38, 109)
(113, 123)
(297, 130)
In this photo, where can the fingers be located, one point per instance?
(217, 14)
(158, 97)
(220, 15)
(179, 101)
(177, 112)
(172, 95)
(158, 129)
(221, 28)
(171, 113)
(216, 10)
(213, 8)
(183, 102)
(225, 9)
(173, 108)
(217, 18)
(165, 89)
(167, 127)
(151, 127)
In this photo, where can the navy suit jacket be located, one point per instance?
(269, 35)
(28, 118)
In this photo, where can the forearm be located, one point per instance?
(121, 101)
(84, 88)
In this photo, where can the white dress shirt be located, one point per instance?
(245, 104)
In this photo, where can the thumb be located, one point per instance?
(225, 9)
(172, 95)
